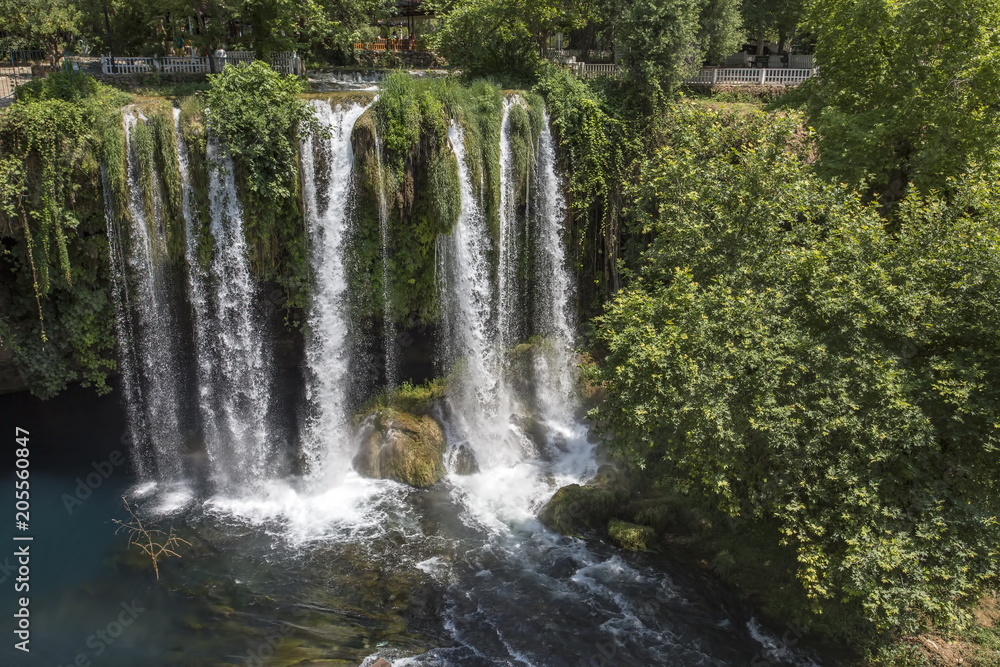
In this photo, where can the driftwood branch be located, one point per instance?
(154, 542)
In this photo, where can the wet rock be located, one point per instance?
(536, 431)
(465, 461)
(574, 507)
(403, 447)
(630, 536)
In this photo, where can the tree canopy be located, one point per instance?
(39, 23)
(908, 90)
(784, 353)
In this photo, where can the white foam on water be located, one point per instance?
(775, 649)
(357, 507)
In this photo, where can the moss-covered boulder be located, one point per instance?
(630, 536)
(400, 446)
(574, 508)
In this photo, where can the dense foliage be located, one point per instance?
(52, 218)
(508, 37)
(258, 119)
(782, 352)
(908, 91)
(38, 23)
(665, 41)
(152, 29)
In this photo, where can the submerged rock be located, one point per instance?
(630, 536)
(465, 461)
(403, 447)
(574, 507)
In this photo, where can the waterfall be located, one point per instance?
(469, 335)
(555, 369)
(197, 285)
(146, 320)
(388, 327)
(327, 354)
(233, 353)
(508, 312)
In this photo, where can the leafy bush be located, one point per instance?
(259, 119)
(254, 111)
(54, 257)
(923, 106)
(785, 354)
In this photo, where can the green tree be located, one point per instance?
(665, 41)
(908, 90)
(509, 36)
(766, 19)
(46, 23)
(783, 353)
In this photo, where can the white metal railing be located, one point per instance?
(748, 75)
(187, 64)
(237, 57)
(127, 65)
(286, 62)
(595, 70)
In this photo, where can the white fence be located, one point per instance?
(286, 62)
(127, 65)
(237, 57)
(186, 65)
(750, 76)
(781, 76)
(593, 70)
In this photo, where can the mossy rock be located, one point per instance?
(574, 508)
(403, 447)
(631, 536)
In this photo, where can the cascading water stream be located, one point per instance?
(327, 354)
(239, 440)
(508, 321)
(146, 320)
(555, 370)
(388, 326)
(234, 365)
(469, 337)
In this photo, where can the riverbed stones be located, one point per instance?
(401, 446)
